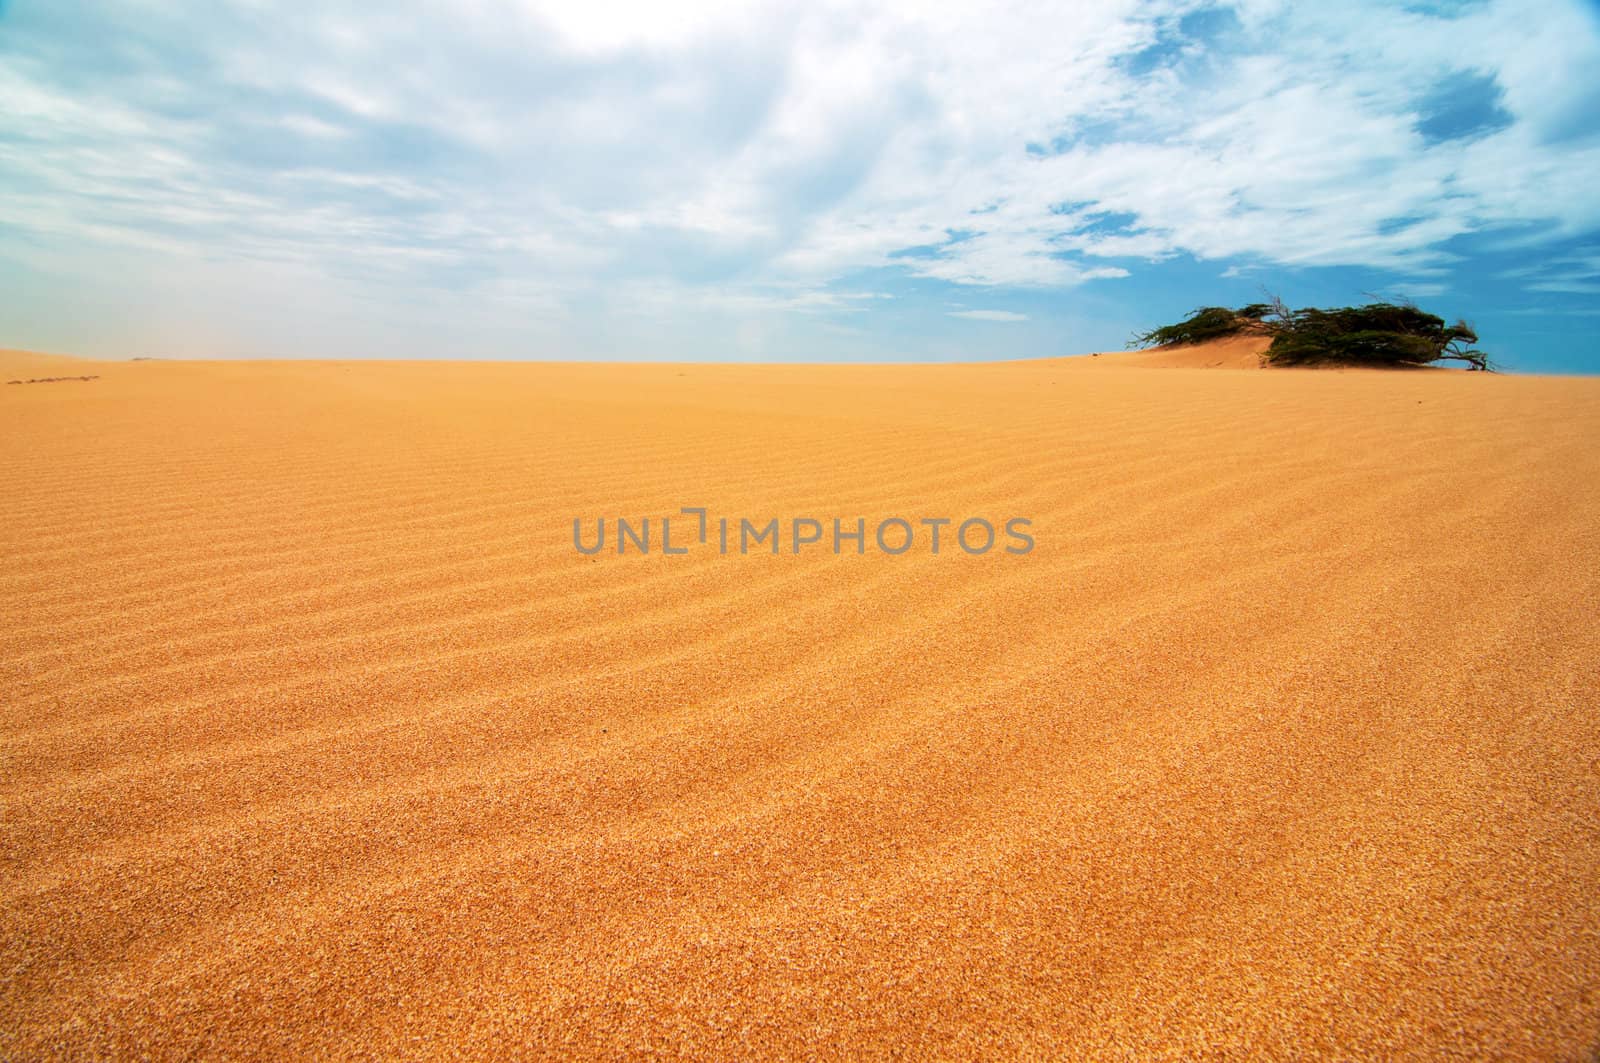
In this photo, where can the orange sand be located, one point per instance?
(317, 737)
(1234, 352)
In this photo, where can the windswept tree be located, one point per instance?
(1379, 333)
(1206, 323)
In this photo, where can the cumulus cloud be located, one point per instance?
(538, 155)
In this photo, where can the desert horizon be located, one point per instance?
(320, 737)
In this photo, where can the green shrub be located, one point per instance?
(1391, 334)
(1206, 323)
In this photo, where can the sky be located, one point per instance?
(798, 182)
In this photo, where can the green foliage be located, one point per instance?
(1206, 323)
(1375, 334)
(1378, 334)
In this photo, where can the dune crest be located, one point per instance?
(1232, 352)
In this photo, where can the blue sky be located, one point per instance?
(807, 181)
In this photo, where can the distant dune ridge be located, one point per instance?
(318, 738)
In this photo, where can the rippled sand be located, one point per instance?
(317, 736)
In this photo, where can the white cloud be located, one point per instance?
(1577, 274)
(752, 155)
(989, 315)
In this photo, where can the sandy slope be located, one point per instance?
(1234, 352)
(319, 737)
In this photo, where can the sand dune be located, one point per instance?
(320, 738)
(1233, 352)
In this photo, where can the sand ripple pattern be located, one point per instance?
(318, 739)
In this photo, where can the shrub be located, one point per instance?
(1375, 334)
(1206, 323)
(1392, 334)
